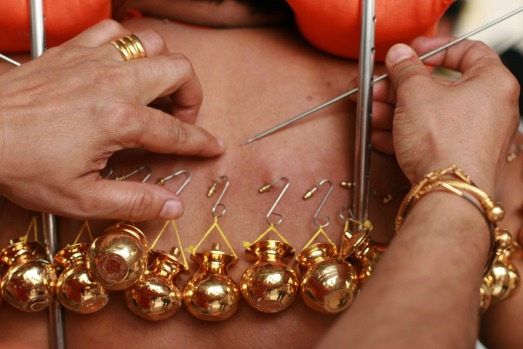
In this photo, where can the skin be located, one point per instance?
(106, 119)
(439, 298)
(267, 93)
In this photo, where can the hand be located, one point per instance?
(435, 122)
(65, 113)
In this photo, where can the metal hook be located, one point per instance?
(346, 185)
(109, 174)
(211, 192)
(143, 168)
(310, 193)
(161, 181)
(266, 188)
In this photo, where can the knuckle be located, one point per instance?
(480, 46)
(511, 84)
(111, 26)
(155, 40)
(85, 206)
(121, 118)
(179, 132)
(106, 76)
(183, 65)
(140, 206)
(118, 114)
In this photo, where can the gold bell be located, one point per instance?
(118, 258)
(28, 282)
(211, 294)
(75, 288)
(155, 296)
(328, 284)
(270, 285)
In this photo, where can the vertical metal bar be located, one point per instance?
(37, 28)
(364, 117)
(56, 323)
(56, 327)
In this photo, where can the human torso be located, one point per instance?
(252, 79)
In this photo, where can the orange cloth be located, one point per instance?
(334, 26)
(64, 19)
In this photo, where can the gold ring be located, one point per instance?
(130, 47)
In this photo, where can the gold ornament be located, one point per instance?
(328, 284)
(75, 288)
(502, 278)
(485, 294)
(29, 280)
(155, 296)
(270, 285)
(365, 258)
(118, 258)
(211, 294)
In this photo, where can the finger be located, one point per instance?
(382, 115)
(154, 130)
(382, 91)
(172, 75)
(152, 42)
(403, 64)
(101, 35)
(382, 141)
(461, 57)
(133, 201)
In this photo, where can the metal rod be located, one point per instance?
(363, 116)
(379, 78)
(37, 28)
(10, 60)
(56, 324)
(55, 316)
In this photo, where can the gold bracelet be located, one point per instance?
(502, 247)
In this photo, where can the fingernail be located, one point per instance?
(171, 209)
(399, 52)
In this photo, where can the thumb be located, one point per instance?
(403, 63)
(135, 201)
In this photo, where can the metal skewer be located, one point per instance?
(381, 77)
(10, 60)
(363, 118)
(56, 326)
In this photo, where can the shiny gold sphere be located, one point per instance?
(29, 286)
(78, 292)
(505, 279)
(329, 286)
(153, 298)
(496, 213)
(211, 297)
(269, 287)
(210, 294)
(504, 240)
(118, 258)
